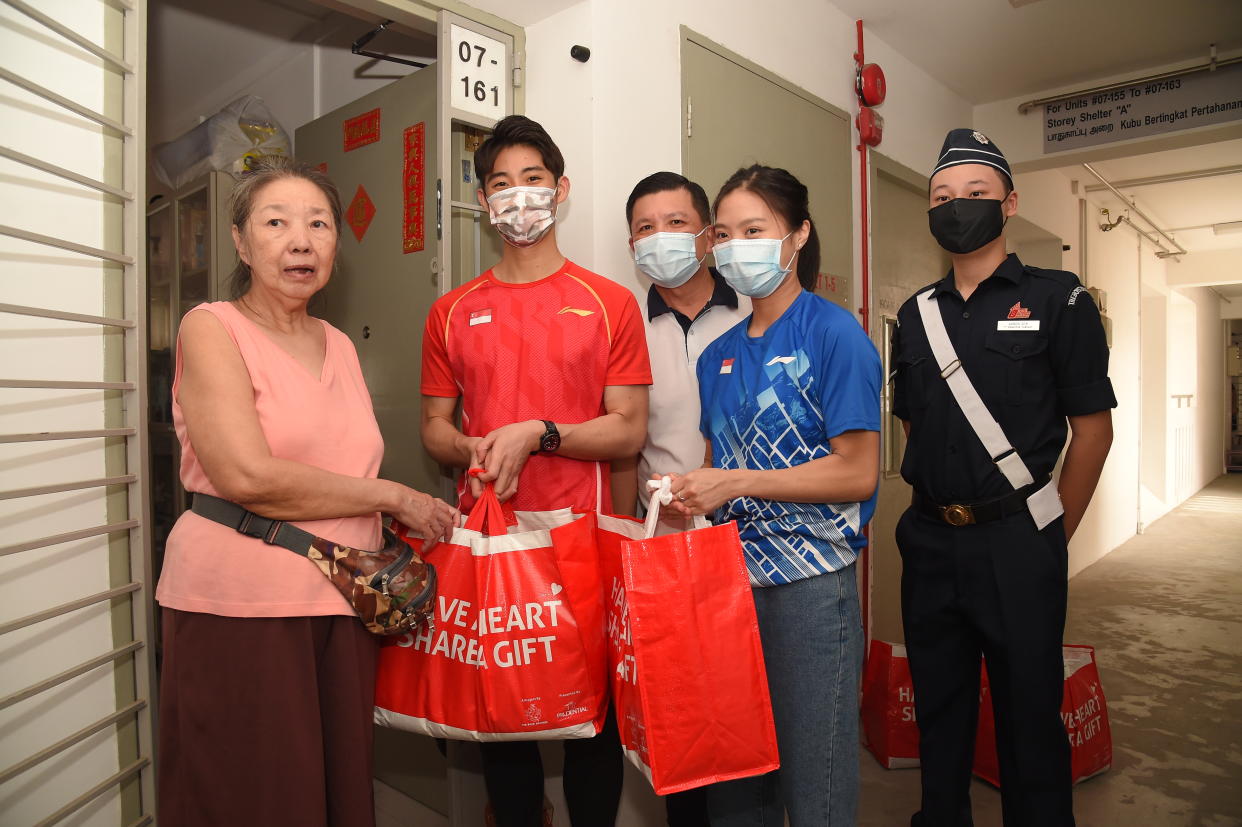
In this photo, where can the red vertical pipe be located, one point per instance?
(864, 311)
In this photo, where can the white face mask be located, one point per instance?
(670, 259)
(522, 215)
(752, 266)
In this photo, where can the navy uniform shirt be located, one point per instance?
(1032, 343)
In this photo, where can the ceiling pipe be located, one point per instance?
(1172, 178)
(1178, 249)
(1210, 66)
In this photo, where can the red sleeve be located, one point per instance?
(628, 362)
(437, 378)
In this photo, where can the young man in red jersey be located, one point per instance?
(550, 365)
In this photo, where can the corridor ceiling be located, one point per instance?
(989, 50)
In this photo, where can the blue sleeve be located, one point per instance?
(849, 374)
(705, 392)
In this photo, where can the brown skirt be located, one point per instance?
(266, 721)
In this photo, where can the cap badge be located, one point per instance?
(980, 137)
(1019, 312)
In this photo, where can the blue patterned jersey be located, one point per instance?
(774, 402)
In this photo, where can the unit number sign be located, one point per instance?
(479, 83)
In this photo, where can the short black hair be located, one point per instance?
(518, 130)
(663, 182)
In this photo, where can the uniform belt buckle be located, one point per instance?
(957, 515)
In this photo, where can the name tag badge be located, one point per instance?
(480, 317)
(1018, 324)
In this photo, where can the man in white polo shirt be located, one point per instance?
(688, 306)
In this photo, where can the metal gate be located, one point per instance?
(75, 602)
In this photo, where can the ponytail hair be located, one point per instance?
(787, 197)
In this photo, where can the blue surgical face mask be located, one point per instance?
(670, 259)
(752, 266)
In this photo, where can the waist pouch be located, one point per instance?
(391, 590)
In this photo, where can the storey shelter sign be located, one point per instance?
(1170, 104)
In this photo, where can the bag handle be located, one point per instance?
(488, 515)
(662, 494)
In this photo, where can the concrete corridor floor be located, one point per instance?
(1164, 613)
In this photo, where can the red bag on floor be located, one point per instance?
(688, 678)
(1083, 712)
(890, 729)
(517, 651)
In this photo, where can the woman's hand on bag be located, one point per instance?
(673, 509)
(427, 516)
(702, 491)
(504, 453)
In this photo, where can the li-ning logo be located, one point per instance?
(575, 311)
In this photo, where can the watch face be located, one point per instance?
(550, 442)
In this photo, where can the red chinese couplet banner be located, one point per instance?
(413, 179)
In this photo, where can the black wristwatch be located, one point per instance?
(550, 441)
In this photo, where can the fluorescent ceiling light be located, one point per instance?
(1227, 227)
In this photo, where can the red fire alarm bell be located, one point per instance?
(870, 126)
(870, 84)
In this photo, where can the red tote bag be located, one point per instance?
(688, 677)
(890, 729)
(517, 650)
(1083, 712)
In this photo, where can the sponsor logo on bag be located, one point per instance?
(572, 708)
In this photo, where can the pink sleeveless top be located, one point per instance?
(325, 421)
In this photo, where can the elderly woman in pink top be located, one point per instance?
(268, 676)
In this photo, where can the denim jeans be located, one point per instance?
(813, 648)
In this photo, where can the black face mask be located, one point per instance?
(963, 225)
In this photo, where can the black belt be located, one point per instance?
(272, 532)
(960, 514)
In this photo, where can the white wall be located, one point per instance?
(1113, 261)
(32, 348)
(1210, 397)
(1147, 363)
(622, 110)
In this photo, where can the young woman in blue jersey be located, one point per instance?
(791, 413)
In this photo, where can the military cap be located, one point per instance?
(969, 146)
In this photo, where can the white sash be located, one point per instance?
(1044, 504)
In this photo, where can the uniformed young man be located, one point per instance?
(993, 363)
